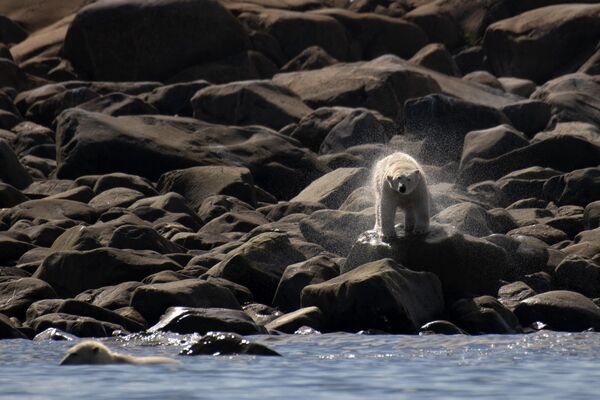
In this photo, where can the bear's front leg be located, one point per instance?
(409, 220)
(387, 213)
(421, 215)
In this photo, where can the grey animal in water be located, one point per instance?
(399, 182)
(92, 352)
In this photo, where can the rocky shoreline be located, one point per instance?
(198, 165)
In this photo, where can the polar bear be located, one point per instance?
(92, 352)
(399, 181)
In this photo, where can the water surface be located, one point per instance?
(546, 365)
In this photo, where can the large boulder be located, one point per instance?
(464, 264)
(544, 42)
(336, 230)
(259, 264)
(184, 320)
(561, 310)
(578, 187)
(333, 188)
(572, 97)
(578, 274)
(377, 295)
(154, 41)
(223, 343)
(544, 153)
(11, 170)
(491, 142)
(484, 314)
(91, 143)
(72, 272)
(249, 103)
(296, 276)
(17, 295)
(295, 31)
(198, 183)
(153, 300)
(49, 209)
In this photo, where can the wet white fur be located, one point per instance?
(92, 352)
(393, 174)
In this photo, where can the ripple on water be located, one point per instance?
(547, 364)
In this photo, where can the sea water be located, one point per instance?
(543, 365)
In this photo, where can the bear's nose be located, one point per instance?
(402, 188)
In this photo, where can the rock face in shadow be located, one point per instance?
(182, 32)
(91, 143)
(377, 295)
(464, 264)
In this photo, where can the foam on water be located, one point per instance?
(547, 365)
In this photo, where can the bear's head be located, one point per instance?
(87, 352)
(404, 182)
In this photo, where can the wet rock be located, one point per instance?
(544, 153)
(194, 31)
(560, 310)
(336, 230)
(157, 208)
(332, 189)
(218, 343)
(484, 315)
(441, 327)
(198, 183)
(11, 170)
(444, 121)
(578, 187)
(110, 297)
(377, 295)
(291, 322)
(435, 56)
(151, 301)
(439, 25)
(313, 57)
(80, 308)
(259, 264)
(296, 276)
(75, 325)
(464, 264)
(510, 295)
(491, 143)
(527, 45)
(184, 320)
(8, 329)
(216, 205)
(17, 295)
(46, 110)
(72, 272)
(55, 335)
(249, 103)
(261, 313)
(580, 275)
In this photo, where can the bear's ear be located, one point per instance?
(390, 181)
